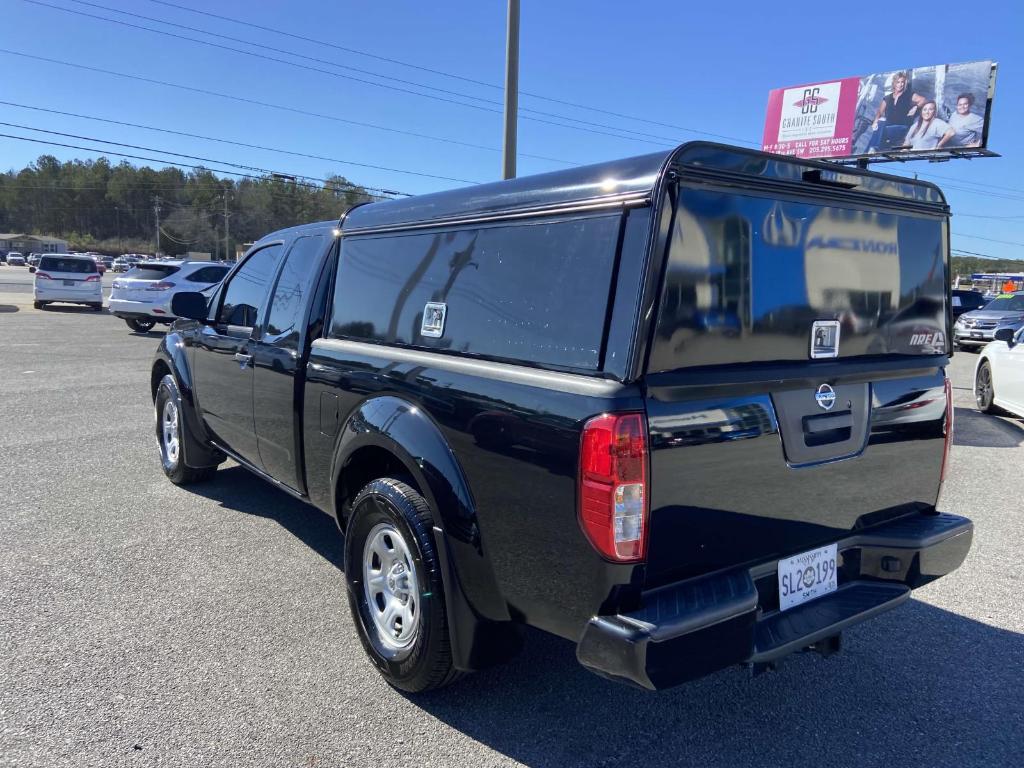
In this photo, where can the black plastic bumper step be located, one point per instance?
(783, 632)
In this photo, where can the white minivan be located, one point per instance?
(68, 279)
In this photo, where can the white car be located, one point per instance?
(15, 259)
(999, 376)
(67, 279)
(142, 298)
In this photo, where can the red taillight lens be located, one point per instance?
(42, 276)
(947, 428)
(613, 485)
(161, 286)
(92, 279)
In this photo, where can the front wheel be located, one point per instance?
(140, 326)
(172, 433)
(984, 389)
(38, 304)
(395, 587)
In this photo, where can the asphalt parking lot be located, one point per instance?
(143, 624)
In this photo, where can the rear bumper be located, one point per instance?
(69, 295)
(689, 629)
(127, 310)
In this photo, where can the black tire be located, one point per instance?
(985, 390)
(426, 663)
(140, 326)
(97, 307)
(173, 462)
(38, 304)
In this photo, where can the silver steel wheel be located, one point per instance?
(983, 389)
(391, 590)
(169, 432)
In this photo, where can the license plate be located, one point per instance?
(807, 576)
(69, 282)
(977, 334)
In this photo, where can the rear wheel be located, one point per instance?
(172, 433)
(38, 304)
(140, 326)
(984, 389)
(395, 587)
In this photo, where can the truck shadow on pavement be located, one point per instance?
(917, 686)
(233, 489)
(979, 430)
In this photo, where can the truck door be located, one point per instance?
(222, 365)
(278, 359)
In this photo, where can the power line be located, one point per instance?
(160, 160)
(988, 239)
(563, 102)
(639, 136)
(237, 143)
(270, 105)
(266, 171)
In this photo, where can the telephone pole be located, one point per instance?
(227, 216)
(156, 210)
(511, 90)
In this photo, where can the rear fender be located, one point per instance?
(172, 357)
(478, 617)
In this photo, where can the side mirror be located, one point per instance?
(31, 269)
(189, 304)
(1005, 334)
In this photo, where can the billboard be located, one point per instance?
(924, 110)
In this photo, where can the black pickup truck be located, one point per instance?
(687, 410)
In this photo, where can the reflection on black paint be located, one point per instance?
(747, 277)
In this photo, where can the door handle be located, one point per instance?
(242, 359)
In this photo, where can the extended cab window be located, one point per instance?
(291, 289)
(535, 292)
(247, 289)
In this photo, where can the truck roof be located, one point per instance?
(608, 182)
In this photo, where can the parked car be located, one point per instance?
(142, 298)
(15, 259)
(510, 399)
(966, 301)
(999, 374)
(61, 277)
(973, 330)
(123, 263)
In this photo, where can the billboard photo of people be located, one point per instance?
(935, 110)
(928, 108)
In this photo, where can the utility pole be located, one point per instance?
(156, 210)
(117, 208)
(227, 256)
(511, 90)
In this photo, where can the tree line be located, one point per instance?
(100, 206)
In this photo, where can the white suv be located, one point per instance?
(142, 298)
(69, 279)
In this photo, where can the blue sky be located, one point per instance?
(698, 66)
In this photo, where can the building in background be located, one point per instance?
(27, 244)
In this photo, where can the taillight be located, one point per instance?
(161, 286)
(613, 485)
(92, 279)
(947, 429)
(42, 276)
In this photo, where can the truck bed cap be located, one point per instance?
(610, 182)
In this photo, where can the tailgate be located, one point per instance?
(795, 389)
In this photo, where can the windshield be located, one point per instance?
(55, 264)
(1011, 302)
(151, 272)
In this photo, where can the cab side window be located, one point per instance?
(247, 291)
